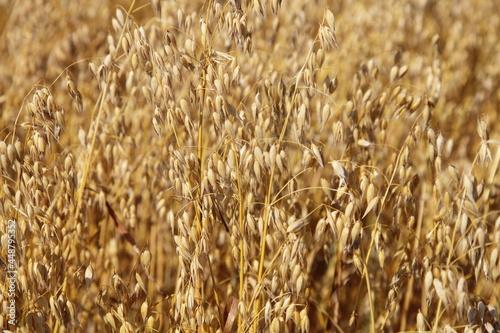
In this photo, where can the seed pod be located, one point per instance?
(333, 85)
(320, 57)
(317, 154)
(89, 274)
(297, 225)
(272, 156)
(421, 325)
(381, 257)
(344, 238)
(367, 95)
(358, 263)
(326, 188)
(326, 83)
(481, 309)
(349, 211)
(428, 281)
(330, 19)
(356, 230)
(325, 114)
(320, 230)
(290, 311)
(401, 98)
(233, 111)
(364, 143)
(415, 104)
(372, 203)
(441, 291)
(339, 170)
(349, 107)
(256, 170)
(393, 75)
(304, 321)
(402, 71)
(395, 92)
(140, 282)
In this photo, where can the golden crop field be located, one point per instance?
(250, 166)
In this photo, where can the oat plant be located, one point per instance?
(249, 166)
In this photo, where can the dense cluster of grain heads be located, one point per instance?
(250, 166)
